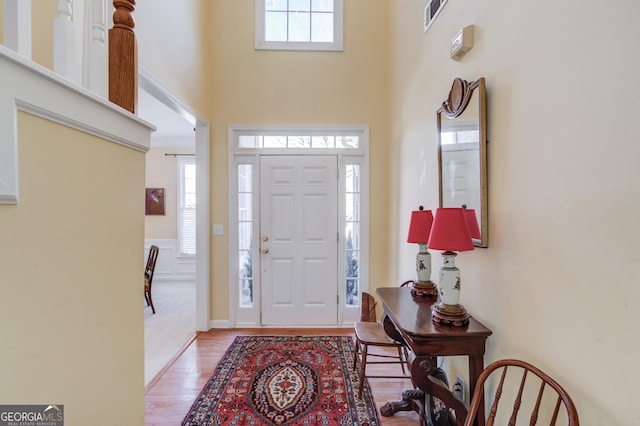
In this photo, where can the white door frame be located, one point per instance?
(249, 317)
(152, 86)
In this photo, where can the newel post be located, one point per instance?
(123, 57)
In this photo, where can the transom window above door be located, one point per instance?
(298, 25)
(291, 141)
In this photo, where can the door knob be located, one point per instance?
(265, 250)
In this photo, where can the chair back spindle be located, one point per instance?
(542, 406)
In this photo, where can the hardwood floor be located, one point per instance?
(170, 395)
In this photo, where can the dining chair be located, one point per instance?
(370, 333)
(522, 387)
(148, 276)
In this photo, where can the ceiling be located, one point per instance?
(172, 129)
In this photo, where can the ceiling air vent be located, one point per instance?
(431, 10)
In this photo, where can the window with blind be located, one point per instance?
(186, 205)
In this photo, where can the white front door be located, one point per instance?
(298, 240)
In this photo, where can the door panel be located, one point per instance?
(298, 222)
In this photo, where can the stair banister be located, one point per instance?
(80, 50)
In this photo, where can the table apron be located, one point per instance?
(447, 347)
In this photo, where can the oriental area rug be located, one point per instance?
(284, 380)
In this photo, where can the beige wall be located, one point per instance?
(173, 46)
(558, 283)
(71, 318)
(233, 84)
(161, 172)
(43, 14)
(275, 87)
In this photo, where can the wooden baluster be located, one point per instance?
(123, 57)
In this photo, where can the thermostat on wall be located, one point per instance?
(462, 43)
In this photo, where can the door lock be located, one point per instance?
(265, 238)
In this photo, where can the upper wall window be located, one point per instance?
(299, 24)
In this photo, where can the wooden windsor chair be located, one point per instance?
(533, 391)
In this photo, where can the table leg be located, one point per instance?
(476, 365)
(433, 382)
(432, 398)
(412, 400)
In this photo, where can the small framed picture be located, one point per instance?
(154, 201)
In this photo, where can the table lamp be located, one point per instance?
(419, 229)
(450, 232)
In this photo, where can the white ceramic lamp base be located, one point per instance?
(448, 311)
(424, 289)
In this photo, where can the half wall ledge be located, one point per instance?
(29, 87)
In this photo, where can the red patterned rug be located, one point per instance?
(284, 380)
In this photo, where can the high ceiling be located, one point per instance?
(172, 128)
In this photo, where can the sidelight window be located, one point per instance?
(245, 234)
(186, 205)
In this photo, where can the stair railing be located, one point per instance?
(83, 51)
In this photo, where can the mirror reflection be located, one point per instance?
(462, 152)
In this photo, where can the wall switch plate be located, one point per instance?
(218, 229)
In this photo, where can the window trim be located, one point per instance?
(336, 45)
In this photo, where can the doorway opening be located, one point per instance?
(180, 148)
(312, 204)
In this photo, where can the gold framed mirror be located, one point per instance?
(462, 153)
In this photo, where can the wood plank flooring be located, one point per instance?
(170, 395)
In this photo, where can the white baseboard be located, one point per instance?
(219, 324)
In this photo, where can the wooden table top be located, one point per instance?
(414, 318)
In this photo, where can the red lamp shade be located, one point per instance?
(420, 226)
(450, 231)
(472, 221)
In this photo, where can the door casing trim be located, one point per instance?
(346, 314)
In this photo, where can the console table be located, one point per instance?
(409, 321)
